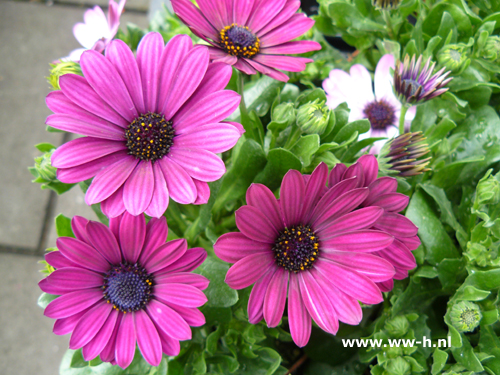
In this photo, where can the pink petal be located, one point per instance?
(165, 255)
(383, 185)
(399, 255)
(90, 125)
(89, 325)
(156, 235)
(248, 270)
(386, 286)
(275, 299)
(411, 242)
(314, 189)
(72, 303)
(216, 138)
(82, 254)
(169, 346)
(148, 59)
(180, 294)
(125, 341)
(360, 240)
(67, 325)
(299, 319)
(254, 224)
(113, 206)
(263, 12)
(374, 267)
(370, 168)
(231, 247)
(108, 353)
(104, 241)
(57, 260)
(98, 343)
(363, 218)
(332, 194)
(211, 169)
(336, 174)
(139, 187)
(168, 320)
(393, 202)
(268, 71)
(384, 80)
(198, 281)
(396, 224)
(291, 198)
(355, 170)
(191, 260)
(291, 6)
(74, 278)
(202, 192)
(132, 235)
(243, 66)
(362, 80)
(288, 63)
(191, 16)
(192, 316)
(147, 338)
(257, 295)
(296, 26)
(180, 185)
(54, 289)
(292, 48)
(260, 197)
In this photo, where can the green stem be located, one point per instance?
(404, 109)
(387, 18)
(241, 88)
(293, 138)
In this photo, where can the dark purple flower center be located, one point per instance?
(296, 248)
(149, 137)
(128, 287)
(414, 85)
(239, 41)
(380, 113)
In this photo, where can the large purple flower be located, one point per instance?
(382, 193)
(124, 285)
(252, 35)
(313, 245)
(152, 125)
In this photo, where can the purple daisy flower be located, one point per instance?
(123, 284)
(251, 35)
(152, 125)
(382, 193)
(312, 245)
(381, 107)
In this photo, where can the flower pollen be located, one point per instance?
(128, 287)
(149, 137)
(239, 41)
(296, 249)
(381, 114)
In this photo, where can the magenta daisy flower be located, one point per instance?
(382, 193)
(314, 246)
(97, 31)
(123, 285)
(381, 107)
(252, 35)
(152, 125)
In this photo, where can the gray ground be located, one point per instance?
(31, 36)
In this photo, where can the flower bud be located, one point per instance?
(397, 326)
(465, 316)
(491, 50)
(44, 167)
(454, 57)
(386, 4)
(488, 191)
(61, 68)
(402, 156)
(284, 112)
(312, 117)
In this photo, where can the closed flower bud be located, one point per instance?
(397, 326)
(491, 50)
(454, 57)
(312, 118)
(402, 156)
(465, 316)
(488, 191)
(386, 4)
(44, 167)
(61, 68)
(284, 112)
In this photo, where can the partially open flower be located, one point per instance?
(402, 156)
(386, 4)
(312, 118)
(413, 85)
(454, 57)
(491, 51)
(465, 316)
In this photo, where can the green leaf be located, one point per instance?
(58, 187)
(249, 161)
(440, 358)
(279, 162)
(45, 147)
(432, 22)
(63, 226)
(45, 299)
(360, 126)
(470, 293)
(418, 295)
(267, 363)
(219, 294)
(490, 343)
(466, 357)
(449, 270)
(305, 148)
(437, 242)
(348, 16)
(310, 96)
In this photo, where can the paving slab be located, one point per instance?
(32, 35)
(27, 344)
(136, 5)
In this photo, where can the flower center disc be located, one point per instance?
(414, 85)
(239, 41)
(380, 114)
(149, 137)
(296, 249)
(128, 287)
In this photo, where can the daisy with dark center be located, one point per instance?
(312, 246)
(123, 285)
(153, 125)
(252, 35)
(381, 107)
(382, 193)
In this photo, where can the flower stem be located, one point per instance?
(241, 88)
(404, 109)
(387, 18)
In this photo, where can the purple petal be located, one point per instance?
(198, 281)
(148, 59)
(114, 226)
(355, 170)
(268, 71)
(125, 341)
(147, 338)
(275, 299)
(169, 346)
(288, 63)
(314, 189)
(180, 185)
(216, 138)
(98, 343)
(165, 255)
(72, 303)
(210, 110)
(383, 185)
(88, 170)
(263, 12)
(257, 295)
(82, 254)
(374, 267)
(292, 48)
(139, 187)
(67, 325)
(59, 103)
(89, 125)
(291, 198)
(113, 206)
(89, 325)
(74, 278)
(317, 303)
(156, 235)
(122, 58)
(179, 294)
(132, 235)
(363, 218)
(332, 195)
(231, 247)
(202, 192)
(108, 84)
(191, 16)
(187, 79)
(296, 26)
(299, 319)
(168, 320)
(83, 150)
(109, 351)
(110, 179)
(242, 11)
(255, 225)
(399, 255)
(57, 260)
(192, 316)
(191, 260)
(370, 168)
(54, 289)
(260, 197)
(360, 240)
(104, 241)
(245, 67)
(78, 90)
(396, 224)
(336, 174)
(200, 164)
(411, 242)
(79, 228)
(350, 282)
(393, 202)
(386, 286)
(248, 270)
